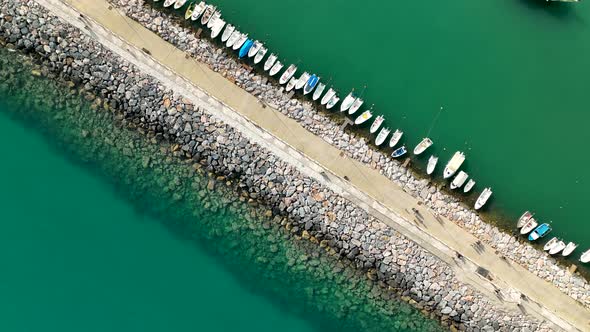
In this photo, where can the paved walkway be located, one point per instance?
(316, 158)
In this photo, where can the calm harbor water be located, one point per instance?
(511, 75)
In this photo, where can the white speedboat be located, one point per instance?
(550, 244)
(198, 10)
(459, 180)
(585, 258)
(528, 226)
(288, 74)
(238, 44)
(382, 136)
(291, 84)
(318, 91)
(302, 80)
(254, 49)
(216, 15)
(326, 98)
(397, 135)
(483, 198)
(569, 249)
(355, 106)
(179, 3)
(217, 27)
(377, 124)
(272, 58)
(233, 38)
(207, 14)
(260, 54)
(229, 30)
(332, 102)
(558, 247)
(469, 186)
(169, 3)
(366, 115)
(523, 219)
(454, 164)
(276, 68)
(432, 161)
(422, 146)
(347, 102)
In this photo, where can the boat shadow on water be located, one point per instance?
(560, 10)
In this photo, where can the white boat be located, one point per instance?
(569, 249)
(382, 136)
(432, 161)
(550, 244)
(254, 49)
(529, 226)
(333, 101)
(454, 164)
(355, 106)
(272, 58)
(233, 38)
(559, 246)
(291, 84)
(523, 219)
(198, 11)
(229, 29)
(213, 19)
(347, 102)
(276, 68)
(318, 91)
(260, 54)
(288, 74)
(169, 3)
(397, 135)
(377, 124)
(240, 42)
(366, 115)
(207, 14)
(483, 198)
(469, 186)
(179, 3)
(217, 27)
(585, 258)
(326, 98)
(302, 80)
(459, 180)
(422, 146)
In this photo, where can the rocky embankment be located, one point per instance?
(355, 146)
(312, 210)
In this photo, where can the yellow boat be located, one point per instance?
(189, 11)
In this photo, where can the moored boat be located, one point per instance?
(469, 186)
(260, 55)
(216, 15)
(254, 49)
(397, 135)
(189, 11)
(198, 10)
(422, 146)
(528, 226)
(169, 3)
(432, 161)
(332, 102)
(585, 258)
(326, 98)
(569, 249)
(459, 180)
(217, 27)
(347, 102)
(382, 136)
(233, 38)
(559, 246)
(454, 164)
(207, 14)
(288, 74)
(355, 106)
(276, 68)
(550, 244)
(229, 30)
(318, 91)
(366, 115)
(399, 152)
(240, 42)
(483, 198)
(376, 124)
(540, 232)
(272, 58)
(179, 3)
(311, 83)
(302, 80)
(245, 48)
(526, 216)
(291, 84)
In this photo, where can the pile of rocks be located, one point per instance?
(355, 146)
(312, 210)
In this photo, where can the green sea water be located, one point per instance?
(104, 229)
(512, 76)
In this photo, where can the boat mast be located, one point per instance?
(434, 122)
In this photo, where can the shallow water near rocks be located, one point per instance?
(103, 231)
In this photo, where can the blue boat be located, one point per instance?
(399, 152)
(245, 48)
(540, 231)
(311, 84)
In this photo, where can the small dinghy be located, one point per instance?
(397, 135)
(207, 14)
(245, 48)
(569, 249)
(585, 258)
(557, 248)
(276, 68)
(288, 74)
(382, 136)
(302, 80)
(213, 19)
(459, 180)
(469, 186)
(312, 82)
(179, 3)
(347, 102)
(260, 55)
(550, 244)
(254, 49)
(318, 91)
(483, 198)
(217, 27)
(454, 164)
(332, 102)
(169, 3)
(331, 93)
(233, 38)
(540, 232)
(399, 152)
(272, 58)
(377, 124)
(528, 226)
(432, 161)
(240, 42)
(366, 115)
(291, 84)
(189, 11)
(523, 219)
(229, 30)
(355, 106)
(422, 146)
(198, 10)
